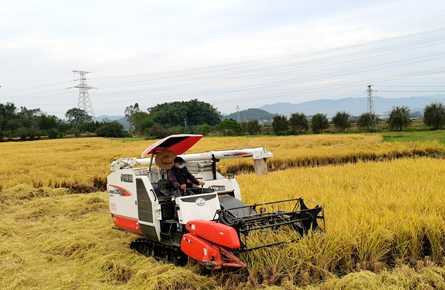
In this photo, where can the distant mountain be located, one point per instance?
(124, 122)
(112, 118)
(252, 114)
(353, 106)
(120, 119)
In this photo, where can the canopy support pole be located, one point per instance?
(151, 160)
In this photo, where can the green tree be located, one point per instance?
(157, 131)
(229, 127)
(253, 127)
(142, 121)
(8, 111)
(244, 126)
(146, 125)
(47, 122)
(298, 123)
(77, 116)
(196, 129)
(111, 129)
(341, 121)
(74, 131)
(130, 111)
(366, 121)
(53, 133)
(174, 130)
(319, 123)
(205, 130)
(92, 126)
(35, 133)
(7, 115)
(399, 118)
(194, 112)
(22, 133)
(29, 118)
(12, 125)
(33, 123)
(280, 124)
(434, 115)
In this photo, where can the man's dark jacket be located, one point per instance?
(179, 176)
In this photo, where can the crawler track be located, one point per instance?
(161, 252)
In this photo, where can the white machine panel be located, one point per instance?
(121, 189)
(200, 206)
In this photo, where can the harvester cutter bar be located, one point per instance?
(271, 216)
(264, 246)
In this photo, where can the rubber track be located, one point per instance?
(160, 251)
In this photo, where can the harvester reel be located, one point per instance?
(290, 214)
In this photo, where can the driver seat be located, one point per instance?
(164, 187)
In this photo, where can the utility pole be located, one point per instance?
(185, 123)
(238, 118)
(84, 102)
(371, 105)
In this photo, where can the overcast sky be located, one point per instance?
(227, 53)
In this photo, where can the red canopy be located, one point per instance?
(177, 143)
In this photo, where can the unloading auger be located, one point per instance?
(214, 225)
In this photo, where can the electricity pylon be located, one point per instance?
(84, 102)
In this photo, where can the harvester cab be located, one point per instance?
(214, 224)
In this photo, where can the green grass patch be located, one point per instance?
(127, 139)
(438, 135)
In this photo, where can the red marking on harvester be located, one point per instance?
(127, 193)
(208, 253)
(207, 243)
(127, 224)
(214, 232)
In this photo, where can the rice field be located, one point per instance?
(385, 225)
(83, 164)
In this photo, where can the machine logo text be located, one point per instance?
(115, 190)
(127, 178)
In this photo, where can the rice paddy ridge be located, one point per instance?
(82, 165)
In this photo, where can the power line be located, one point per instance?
(412, 86)
(297, 36)
(293, 67)
(412, 91)
(293, 55)
(333, 74)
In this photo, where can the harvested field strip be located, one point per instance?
(385, 228)
(82, 165)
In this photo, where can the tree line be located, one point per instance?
(191, 117)
(173, 118)
(30, 124)
(399, 118)
(156, 122)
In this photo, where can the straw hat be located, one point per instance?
(165, 159)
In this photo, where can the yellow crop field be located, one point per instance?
(385, 226)
(83, 164)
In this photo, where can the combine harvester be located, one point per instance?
(212, 226)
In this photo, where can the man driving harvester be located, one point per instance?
(179, 176)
